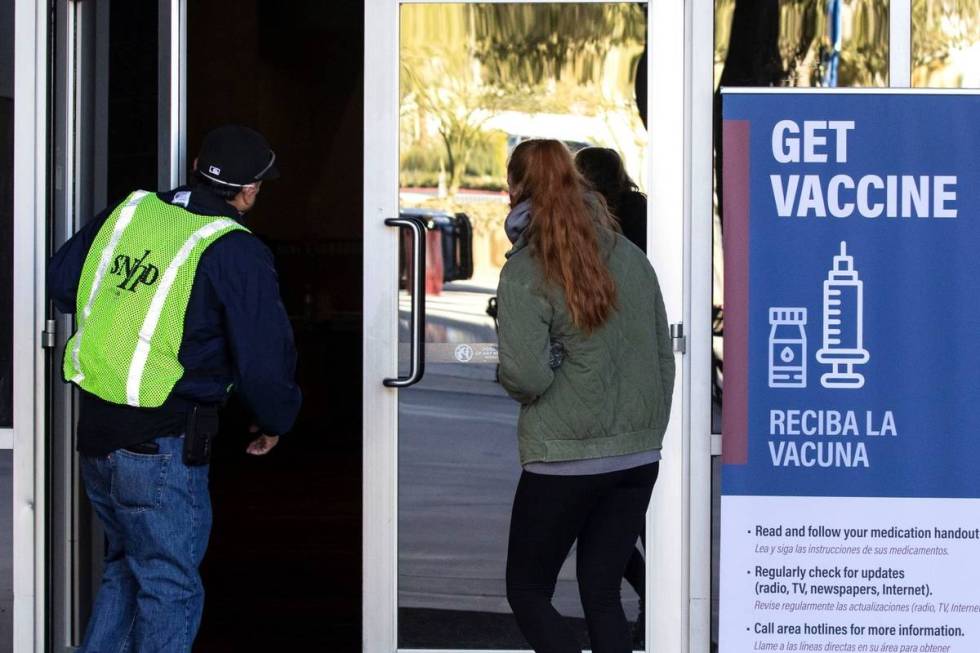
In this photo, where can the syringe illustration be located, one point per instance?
(843, 325)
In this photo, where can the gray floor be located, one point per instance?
(6, 552)
(457, 475)
(458, 469)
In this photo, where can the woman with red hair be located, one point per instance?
(585, 349)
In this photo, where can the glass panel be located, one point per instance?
(798, 43)
(946, 43)
(477, 80)
(292, 555)
(6, 210)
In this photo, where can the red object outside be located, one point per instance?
(434, 273)
(434, 269)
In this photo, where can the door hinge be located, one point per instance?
(49, 337)
(716, 444)
(678, 338)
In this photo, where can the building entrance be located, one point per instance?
(283, 568)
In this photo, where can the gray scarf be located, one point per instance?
(518, 220)
(519, 217)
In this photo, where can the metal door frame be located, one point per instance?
(30, 214)
(675, 509)
(79, 49)
(68, 553)
(172, 103)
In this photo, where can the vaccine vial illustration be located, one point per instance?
(843, 325)
(787, 347)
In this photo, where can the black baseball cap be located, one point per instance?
(234, 155)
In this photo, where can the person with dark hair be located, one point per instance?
(592, 420)
(603, 169)
(177, 304)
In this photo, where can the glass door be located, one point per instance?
(477, 79)
(450, 90)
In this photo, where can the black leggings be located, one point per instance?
(605, 513)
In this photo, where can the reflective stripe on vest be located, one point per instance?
(138, 366)
(125, 217)
(127, 345)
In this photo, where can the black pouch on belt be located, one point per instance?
(202, 427)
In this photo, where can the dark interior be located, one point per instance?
(6, 210)
(131, 151)
(6, 310)
(283, 571)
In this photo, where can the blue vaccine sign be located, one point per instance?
(852, 370)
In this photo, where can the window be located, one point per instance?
(946, 43)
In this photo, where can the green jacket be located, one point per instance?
(611, 395)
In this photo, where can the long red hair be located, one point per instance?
(563, 234)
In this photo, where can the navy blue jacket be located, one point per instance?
(235, 332)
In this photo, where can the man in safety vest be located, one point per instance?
(176, 304)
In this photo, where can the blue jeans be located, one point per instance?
(157, 517)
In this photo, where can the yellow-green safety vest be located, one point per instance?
(132, 299)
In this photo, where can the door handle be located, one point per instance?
(417, 341)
